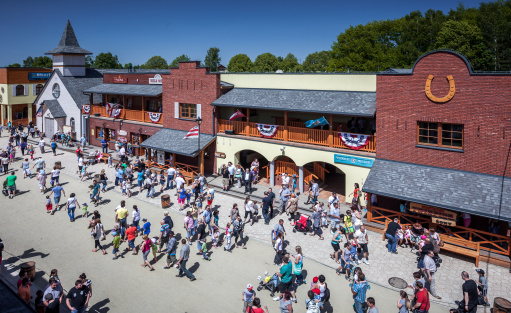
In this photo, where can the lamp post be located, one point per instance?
(199, 121)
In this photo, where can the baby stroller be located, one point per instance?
(270, 284)
(4, 189)
(303, 224)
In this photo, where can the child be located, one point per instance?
(109, 160)
(124, 185)
(482, 285)
(422, 242)
(324, 216)
(200, 199)
(216, 236)
(195, 215)
(146, 229)
(215, 218)
(84, 172)
(204, 250)
(400, 236)
(188, 196)
(228, 237)
(210, 196)
(31, 151)
(154, 249)
(162, 180)
(353, 251)
(116, 243)
(407, 234)
(84, 210)
(49, 206)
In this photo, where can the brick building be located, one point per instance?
(444, 137)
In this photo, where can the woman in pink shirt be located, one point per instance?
(145, 246)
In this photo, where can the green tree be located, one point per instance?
(465, 38)
(240, 63)
(213, 59)
(494, 21)
(289, 63)
(43, 61)
(181, 58)
(156, 62)
(107, 60)
(89, 61)
(14, 65)
(28, 62)
(316, 62)
(128, 65)
(266, 62)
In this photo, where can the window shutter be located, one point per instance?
(14, 90)
(176, 109)
(34, 91)
(199, 110)
(25, 87)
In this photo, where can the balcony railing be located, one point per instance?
(320, 137)
(132, 115)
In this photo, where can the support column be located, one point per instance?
(330, 139)
(9, 113)
(143, 108)
(173, 160)
(272, 174)
(123, 107)
(286, 135)
(29, 112)
(2, 114)
(202, 162)
(369, 208)
(247, 127)
(300, 179)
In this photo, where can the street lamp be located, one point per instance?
(199, 121)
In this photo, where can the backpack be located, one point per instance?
(170, 223)
(312, 307)
(166, 233)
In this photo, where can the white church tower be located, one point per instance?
(69, 57)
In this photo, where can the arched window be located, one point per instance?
(20, 90)
(38, 89)
(72, 122)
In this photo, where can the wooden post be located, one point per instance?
(123, 107)
(143, 108)
(286, 135)
(330, 139)
(247, 127)
(202, 162)
(173, 160)
(369, 208)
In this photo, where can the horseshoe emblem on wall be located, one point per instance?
(449, 96)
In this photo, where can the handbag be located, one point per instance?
(297, 269)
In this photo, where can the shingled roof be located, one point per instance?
(76, 85)
(55, 108)
(126, 89)
(450, 189)
(172, 140)
(68, 43)
(353, 103)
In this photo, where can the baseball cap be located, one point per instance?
(144, 219)
(249, 287)
(114, 233)
(480, 271)
(85, 204)
(315, 279)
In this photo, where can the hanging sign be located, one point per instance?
(443, 221)
(122, 132)
(122, 139)
(267, 131)
(156, 80)
(119, 80)
(354, 141)
(432, 211)
(352, 160)
(220, 155)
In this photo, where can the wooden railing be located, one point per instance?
(320, 171)
(132, 115)
(295, 134)
(498, 244)
(291, 169)
(22, 121)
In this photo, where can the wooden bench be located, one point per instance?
(104, 157)
(461, 246)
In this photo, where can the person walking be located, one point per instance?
(95, 192)
(362, 239)
(390, 234)
(316, 223)
(470, 294)
(286, 303)
(41, 180)
(171, 250)
(41, 144)
(11, 185)
(184, 254)
(403, 303)
(98, 231)
(266, 203)
(145, 247)
(359, 290)
(55, 176)
(53, 146)
(238, 229)
(247, 179)
(422, 298)
(24, 290)
(429, 271)
(297, 260)
(57, 192)
(78, 297)
(284, 195)
(286, 277)
(71, 205)
(248, 296)
(371, 304)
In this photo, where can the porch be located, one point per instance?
(133, 115)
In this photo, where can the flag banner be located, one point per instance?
(113, 110)
(154, 117)
(267, 131)
(86, 108)
(236, 115)
(193, 133)
(319, 122)
(40, 111)
(354, 141)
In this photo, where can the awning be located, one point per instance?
(469, 192)
(126, 89)
(351, 103)
(55, 108)
(172, 140)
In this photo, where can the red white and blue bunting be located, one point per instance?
(154, 117)
(267, 131)
(86, 108)
(113, 110)
(354, 141)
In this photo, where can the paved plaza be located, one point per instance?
(123, 285)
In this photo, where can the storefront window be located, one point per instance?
(135, 139)
(129, 103)
(438, 134)
(100, 132)
(111, 134)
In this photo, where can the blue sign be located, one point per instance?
(352, 160)
(39, 76)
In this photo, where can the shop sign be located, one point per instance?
(351, 160)
(122, 132)
(122, 139)
(38, 76)
(156, 80)
(119, 80)
(443, 221)
(220, 155)
(432, 211)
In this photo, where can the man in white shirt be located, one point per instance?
(285, 179)
(179, 182)
(231, 168)
(334, 198)
(41, 145)
(80, 165)
(429, 271)
(171, 174)
(362, 240)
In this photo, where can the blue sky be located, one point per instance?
(138, 30)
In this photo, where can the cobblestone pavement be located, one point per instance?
(382, 267)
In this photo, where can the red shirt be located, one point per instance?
(256, 310)
(423, 298)
(131, 232)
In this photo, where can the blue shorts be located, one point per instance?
(131, 244)
(56, 199)
(140, 182)
(115, 250)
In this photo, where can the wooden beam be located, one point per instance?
(173, 160)
(247, 127)
(143, 108)
(202, 162)
(123, 106)
(286, 135)
(330, 139)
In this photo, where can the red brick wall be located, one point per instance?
(481, 103)
(143, 79)
(190, 84)
(19, 75)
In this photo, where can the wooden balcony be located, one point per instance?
(319, 137)
(131, 115)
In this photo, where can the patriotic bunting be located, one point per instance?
(86, 108)
(267, 131)
(354, 141)
(154, 117)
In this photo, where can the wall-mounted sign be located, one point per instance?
(156, 80)
(351, 160)
(220, 155)
(38, 76)
(432, 211)
(443, 221)
(122, 132)
(122, 139)
(119, 80)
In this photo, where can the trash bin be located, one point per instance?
(501, 305)
(28, 267)
(165, 201)
(58, 165)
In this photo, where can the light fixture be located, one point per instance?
(198, 120)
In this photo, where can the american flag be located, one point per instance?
(192, 133)
(236, 115)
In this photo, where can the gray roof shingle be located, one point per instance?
(172, 140)
(126, 89)
(55, 108)
(318, 101)
(68, 43)
(76, 85)
(450, 189)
